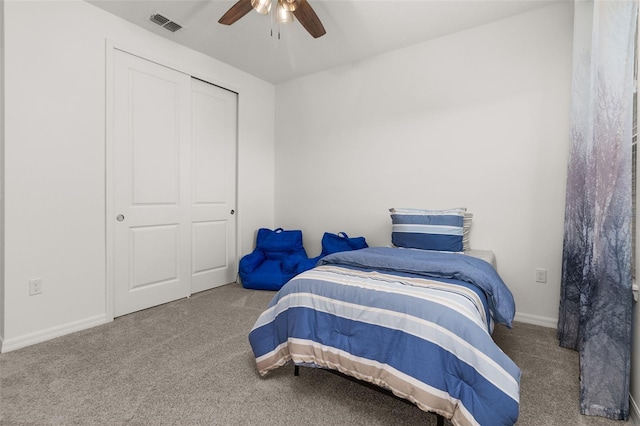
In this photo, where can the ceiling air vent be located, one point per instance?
(165, 22)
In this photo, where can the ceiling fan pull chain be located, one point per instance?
(278, 21)
(273, 21)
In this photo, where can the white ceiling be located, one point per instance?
(356, 29)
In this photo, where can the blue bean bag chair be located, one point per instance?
(278, 257)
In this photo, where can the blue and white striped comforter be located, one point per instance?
(416, 323)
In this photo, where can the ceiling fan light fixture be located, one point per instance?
(284, 15)
(290, 5)
(263, 7)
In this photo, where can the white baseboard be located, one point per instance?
(51, 333)
(537, 320)
(634, 412)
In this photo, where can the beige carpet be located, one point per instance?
(189, 363)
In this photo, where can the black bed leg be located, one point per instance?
(440, 421)
(296, 370)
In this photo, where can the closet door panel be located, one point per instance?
(151, 184)
(214, 124)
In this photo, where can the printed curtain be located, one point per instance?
(596, 299)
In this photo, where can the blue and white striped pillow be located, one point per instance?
(440, 230)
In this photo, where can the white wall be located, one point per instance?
(476, 119)
(55, 61)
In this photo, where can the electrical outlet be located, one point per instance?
(541, 275)
(35, 286)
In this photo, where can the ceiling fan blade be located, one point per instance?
(236, 12)
(309, 20)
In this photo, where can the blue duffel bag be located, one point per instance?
(334, 243)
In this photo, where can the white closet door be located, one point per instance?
(151, 184)
(214, 127)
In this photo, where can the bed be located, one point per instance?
(417, 323)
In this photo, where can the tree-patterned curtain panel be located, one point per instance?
(595, 315)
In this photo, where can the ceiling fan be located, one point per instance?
(285, 11)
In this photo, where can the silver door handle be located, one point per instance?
(232, 211)
(120, 217)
